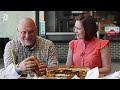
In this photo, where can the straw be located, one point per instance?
(13, 57)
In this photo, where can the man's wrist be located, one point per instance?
(17, 69)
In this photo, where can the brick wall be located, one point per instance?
(115, 51)
(62, 50)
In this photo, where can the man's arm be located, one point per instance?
(7, 55)
(53, 58)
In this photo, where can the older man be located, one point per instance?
(27, 45)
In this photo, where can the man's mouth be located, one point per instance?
(27, 39)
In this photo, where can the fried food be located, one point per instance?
(67, 71)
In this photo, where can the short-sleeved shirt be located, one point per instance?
(44, 50)
(87, 53)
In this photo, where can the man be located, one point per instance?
(28, 44)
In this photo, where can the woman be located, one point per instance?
(88, 50)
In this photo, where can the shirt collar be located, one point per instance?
(31, 47)
(86, 42)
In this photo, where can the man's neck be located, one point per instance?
(29, 47)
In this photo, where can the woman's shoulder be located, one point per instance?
(73, 41)
(101, 40)
(102, 43)
(72, 44)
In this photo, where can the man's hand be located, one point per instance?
(42, 68)
(27, 64)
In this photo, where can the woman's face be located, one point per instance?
(79, 30)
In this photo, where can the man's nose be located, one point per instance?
(27, 35)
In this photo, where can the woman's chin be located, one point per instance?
(79, 38)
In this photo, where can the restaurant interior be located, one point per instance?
(58, 27)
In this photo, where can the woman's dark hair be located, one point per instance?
(89, 25)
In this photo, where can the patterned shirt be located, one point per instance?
(44, 50)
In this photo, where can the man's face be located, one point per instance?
(27, 34)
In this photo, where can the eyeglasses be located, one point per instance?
(75, 28)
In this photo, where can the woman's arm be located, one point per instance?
(106, 60)
(69, 58)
